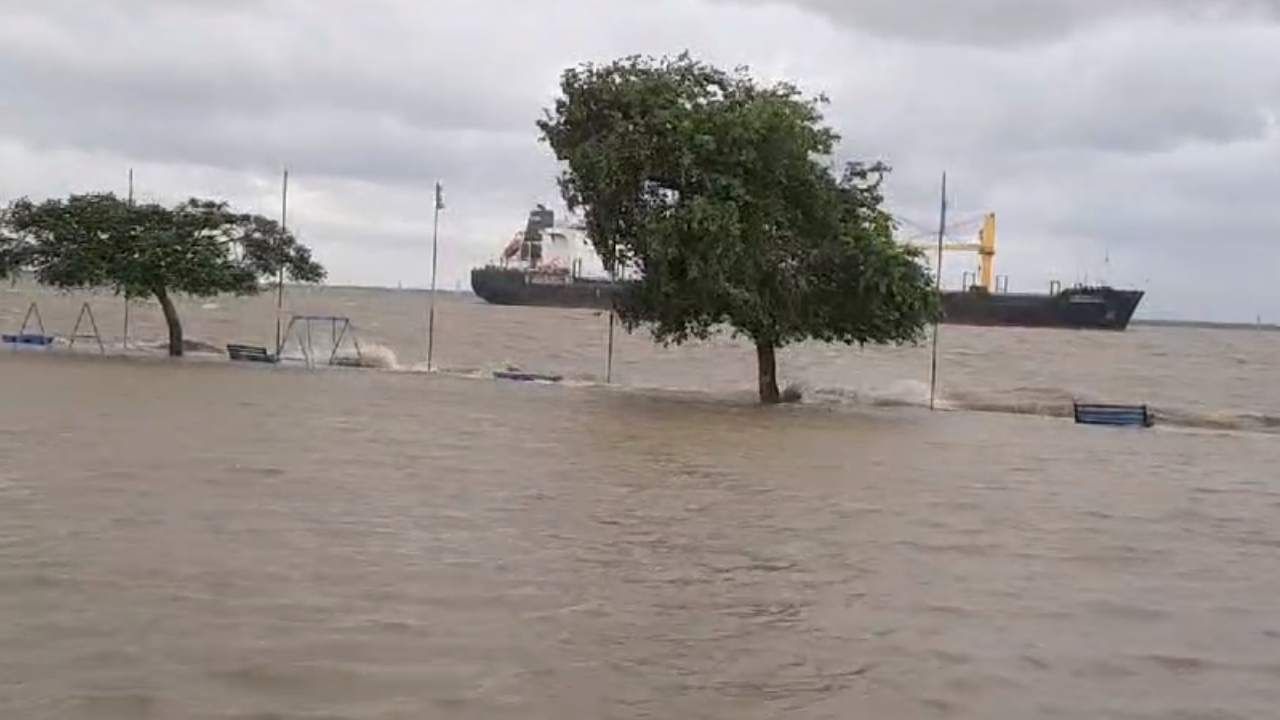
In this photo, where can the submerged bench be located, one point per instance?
(1113, 415)
(38, 340)
(525, 376)
(250, 353)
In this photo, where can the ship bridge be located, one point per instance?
(550, 248)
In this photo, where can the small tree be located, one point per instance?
(199, 247)
(714, 188)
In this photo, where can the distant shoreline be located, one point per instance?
(1205, 325)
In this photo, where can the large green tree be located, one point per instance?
(200, 247)
(718, 191)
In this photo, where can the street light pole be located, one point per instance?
(435, 245)
(284, 227)
(942, 231)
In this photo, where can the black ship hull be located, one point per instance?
(504, 286)
(1083, 308)
(1092, 308)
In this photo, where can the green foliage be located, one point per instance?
(199, 247)
(715, 188)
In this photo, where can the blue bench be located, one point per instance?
(520, 376)
(1113, 415)
(32, 339)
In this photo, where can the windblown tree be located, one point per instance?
(717, 190)
(200, 248)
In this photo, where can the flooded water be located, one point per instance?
(207, 540)
(1216, 378)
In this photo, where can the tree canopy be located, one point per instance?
(199, 247)
(717, 189)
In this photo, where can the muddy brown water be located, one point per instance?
(208, 540)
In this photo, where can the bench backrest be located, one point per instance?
(1120, 415)
(248, 352)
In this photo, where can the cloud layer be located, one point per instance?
(1019, 22)
(1130, 141)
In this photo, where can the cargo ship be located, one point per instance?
(1081, 307)
(547, 265)
(556, 266)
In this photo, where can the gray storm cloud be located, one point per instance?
(1021, 22)
(1134, 141)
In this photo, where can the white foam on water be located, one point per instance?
(420, 367)
(904, 392)
(372, 355)
(900, 393)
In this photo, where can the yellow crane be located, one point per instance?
(985, 247)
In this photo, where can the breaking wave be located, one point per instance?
(372, 355)
(902, 393)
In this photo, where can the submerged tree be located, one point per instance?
(200, 247)
(714, 188)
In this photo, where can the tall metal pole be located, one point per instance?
(608, 365)
(613, 278)
(435, 243)
(125, 341)
(942, 229)
(284, 228)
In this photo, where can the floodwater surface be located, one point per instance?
(214, 540)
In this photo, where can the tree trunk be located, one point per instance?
(768, 369)
(171, 319)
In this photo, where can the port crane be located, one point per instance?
(985, 247)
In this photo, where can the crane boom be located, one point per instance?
(985, 247)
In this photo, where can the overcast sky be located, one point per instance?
(1134, 142)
